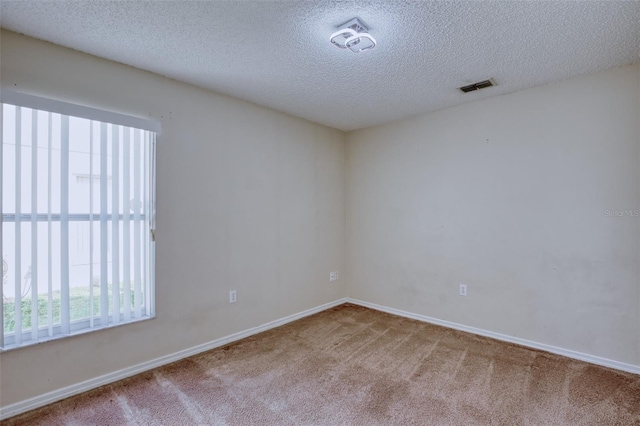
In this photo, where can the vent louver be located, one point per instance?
(477, 86)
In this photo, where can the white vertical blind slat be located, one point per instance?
(18, 234)
(34, 224)
(91, 307)
(49, 228)
(104, 289)
(65, 318)
(137, 298)
(1, 224)
(115, 225)
(145, 209)
(126, 237)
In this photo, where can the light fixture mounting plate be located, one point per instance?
(356, 25)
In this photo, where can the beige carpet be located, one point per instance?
(355, 366)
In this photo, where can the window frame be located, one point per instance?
(82, 326)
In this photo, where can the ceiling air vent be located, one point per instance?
(477, 86)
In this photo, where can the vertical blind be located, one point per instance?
(77, 219)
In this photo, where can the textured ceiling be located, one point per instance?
(277, 53)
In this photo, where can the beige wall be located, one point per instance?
(508, 196)
(248, 199)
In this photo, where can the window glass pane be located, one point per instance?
(25, 160)
(8, 172)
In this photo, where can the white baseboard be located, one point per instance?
(630, 368)
(56, 395)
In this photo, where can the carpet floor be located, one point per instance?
(355, 366)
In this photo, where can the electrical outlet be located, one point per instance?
(233, 296)
(333, 276)
(463, 289)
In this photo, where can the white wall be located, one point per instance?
(247, 199)
(509, 196)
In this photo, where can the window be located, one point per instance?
(77, 219)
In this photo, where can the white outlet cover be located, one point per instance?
(233, 296)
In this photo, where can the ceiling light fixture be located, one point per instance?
(353, 35)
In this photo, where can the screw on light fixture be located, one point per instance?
(353, 35)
